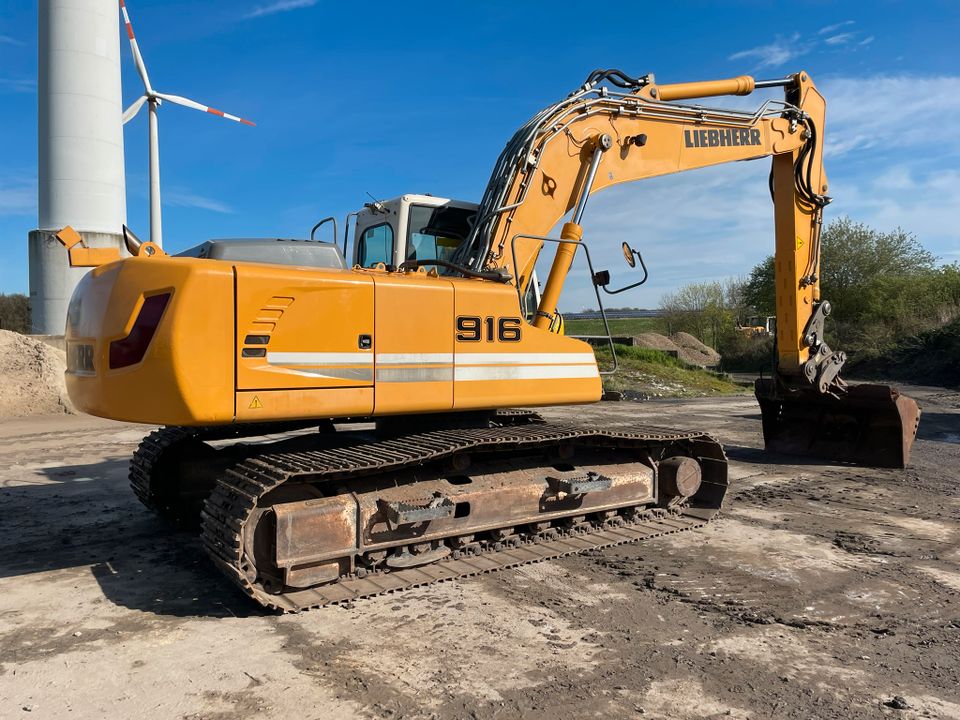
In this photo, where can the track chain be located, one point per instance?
(236, 494)
(143, 467)
(145, 472)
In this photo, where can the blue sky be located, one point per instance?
(388, 98)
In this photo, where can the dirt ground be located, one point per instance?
(822, 592)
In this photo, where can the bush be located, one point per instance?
(929, 357)
(15, 313)
(742, 353)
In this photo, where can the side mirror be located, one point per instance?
(602, 278)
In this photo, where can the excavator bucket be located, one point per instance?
(872, 425)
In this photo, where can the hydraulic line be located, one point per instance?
(810, 201)
(520, 156)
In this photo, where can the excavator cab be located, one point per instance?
(419, 228)
(410, 227)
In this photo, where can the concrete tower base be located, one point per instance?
(52, 280)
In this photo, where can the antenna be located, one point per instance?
(377, 205)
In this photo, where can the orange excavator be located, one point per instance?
(341, 430)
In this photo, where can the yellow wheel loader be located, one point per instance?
(398, 369)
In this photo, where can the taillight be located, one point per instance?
(131, 349)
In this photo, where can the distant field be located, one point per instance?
(626, 326)
(651, 373)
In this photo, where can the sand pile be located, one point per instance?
(694, 352)
(683, 346)
(31, 377)
(656, 341)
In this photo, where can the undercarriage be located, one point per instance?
(349, 511)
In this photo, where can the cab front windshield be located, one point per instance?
(434, 233)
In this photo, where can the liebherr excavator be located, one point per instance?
(408, 466)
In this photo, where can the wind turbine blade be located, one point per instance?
(186, 102)
(131, 112)
(135, 49)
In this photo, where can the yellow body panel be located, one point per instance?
(541, 368)
(187, 374)
(312, 319)
(414, 341)
(247, 342)
(270, 405)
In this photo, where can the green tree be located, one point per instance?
(759, 290)
(706, 310)
(854, 255)
(15, 313)
(883, 286)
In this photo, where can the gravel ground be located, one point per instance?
(823, 592)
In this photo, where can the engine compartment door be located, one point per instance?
(303, 328)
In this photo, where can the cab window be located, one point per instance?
(376, 246)
(531, 299)
(435, 232)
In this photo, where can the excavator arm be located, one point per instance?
(601, 136)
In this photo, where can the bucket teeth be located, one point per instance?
(871, 425)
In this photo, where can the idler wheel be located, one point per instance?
(679, 477)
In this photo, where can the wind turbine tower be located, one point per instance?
(80, 147)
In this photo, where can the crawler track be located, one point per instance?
(160, 473)
(235, 496)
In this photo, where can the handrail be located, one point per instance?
(322, 222)
(586, 250)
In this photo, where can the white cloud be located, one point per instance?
(18, 197)
(859, 115)
(926, 203)
(279, 7)
(698, 226)
(18, 85)
(183, 198)
(840, 39)
(833, 28)
(783, 50)
(774, 54)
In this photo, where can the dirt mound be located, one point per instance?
(695, 352)
(31, 377)
(656, 341)
(683, 346)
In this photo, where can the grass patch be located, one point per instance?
(621, 326)
(644, 373)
